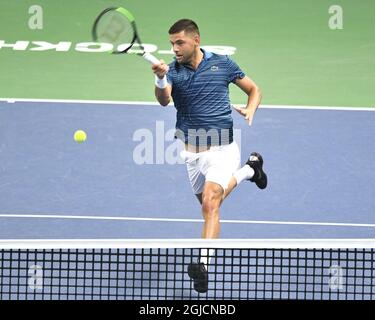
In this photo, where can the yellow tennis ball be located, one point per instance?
(80, 136)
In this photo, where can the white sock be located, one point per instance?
(206, 256)
(244, 173)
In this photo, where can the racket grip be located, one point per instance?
(150, 58)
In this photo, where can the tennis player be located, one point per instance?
(197, 81)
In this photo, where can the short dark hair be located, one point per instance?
(186, 25)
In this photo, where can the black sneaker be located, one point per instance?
(198, 273)
(256, 162)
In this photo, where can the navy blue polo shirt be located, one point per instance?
(201, 98)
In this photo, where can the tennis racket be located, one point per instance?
(117, 26)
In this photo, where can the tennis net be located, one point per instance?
(236, 270)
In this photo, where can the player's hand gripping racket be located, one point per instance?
(117, 26)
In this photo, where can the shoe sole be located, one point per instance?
(260, 184)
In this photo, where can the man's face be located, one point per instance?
(184, 45)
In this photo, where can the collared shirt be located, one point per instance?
(201, 98)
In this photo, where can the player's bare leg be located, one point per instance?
(212, 197)
(232, 184)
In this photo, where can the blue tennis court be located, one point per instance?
(127, 180)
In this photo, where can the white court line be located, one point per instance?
(300, 223)
(153, 103)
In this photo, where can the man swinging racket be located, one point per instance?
(198, 82)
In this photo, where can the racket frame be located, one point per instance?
(146, 55)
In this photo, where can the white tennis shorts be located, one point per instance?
(218, 164)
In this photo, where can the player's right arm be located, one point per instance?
(162, 88)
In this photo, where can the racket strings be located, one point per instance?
(116, 29)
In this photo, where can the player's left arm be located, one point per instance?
(254, 97)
